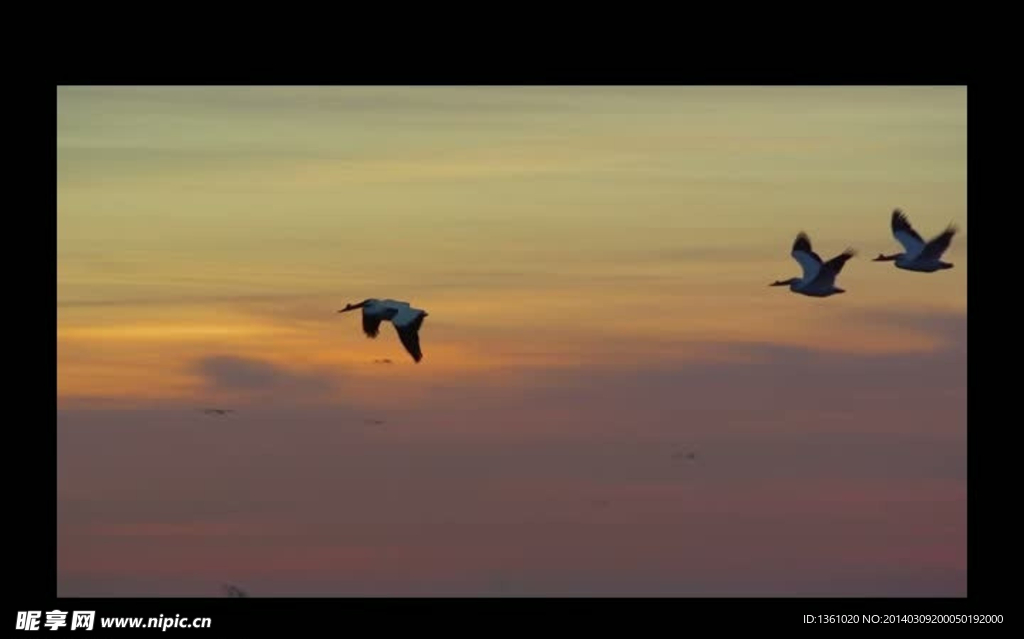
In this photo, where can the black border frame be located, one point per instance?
(898, 63)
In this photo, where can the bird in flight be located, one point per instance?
(234, 591)
(217, 411)
(918, 255)
(819, 279)
(406, 320)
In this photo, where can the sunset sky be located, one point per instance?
(595, 262)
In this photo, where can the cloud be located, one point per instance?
(380, 102)
(949, 327)
(177, 300)
(245, 375)
(816, 472)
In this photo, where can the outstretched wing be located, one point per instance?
(832, 268)
(407, 323)
(808, 260)
(905, 234)
(934, 249)
(371, 323)
(835, 265)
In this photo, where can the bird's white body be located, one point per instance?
(398, 313)
(406, 320)
(819, 278)
(918, 255)
(921, 265)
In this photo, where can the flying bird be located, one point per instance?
(217, 411)
(819, 278)
(406, 320)
(918, 255)
(234, 591)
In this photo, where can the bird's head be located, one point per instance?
(352, 307)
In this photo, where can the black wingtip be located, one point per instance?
(802, 242)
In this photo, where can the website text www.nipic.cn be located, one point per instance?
(85, 620)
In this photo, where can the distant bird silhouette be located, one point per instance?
(918, 255)
(375, 422)
(382, 361)
(234, 591)
(681, 455)
(819, 278)
(217, 411)
(406, 320)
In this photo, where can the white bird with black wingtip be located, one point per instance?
(406, 320)
(819, 278)
(918, 255)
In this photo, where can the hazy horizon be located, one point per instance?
(595, 262)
